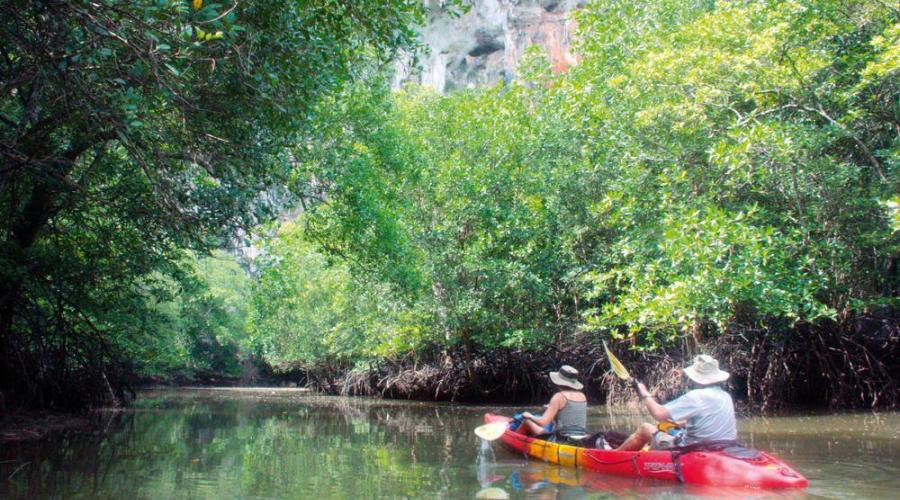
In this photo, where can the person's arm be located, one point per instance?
(657, 411)
(553, 408)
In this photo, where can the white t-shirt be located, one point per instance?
(709, 413)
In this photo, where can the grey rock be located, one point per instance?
(483, 46)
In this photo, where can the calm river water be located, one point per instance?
(276, 443)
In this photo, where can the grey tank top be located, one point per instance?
(572, 418)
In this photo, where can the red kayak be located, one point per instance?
(708, 468)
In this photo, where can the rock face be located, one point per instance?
(484, 45)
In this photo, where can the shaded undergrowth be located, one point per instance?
(850, 365)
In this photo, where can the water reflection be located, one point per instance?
(288, 444)
(540, 480)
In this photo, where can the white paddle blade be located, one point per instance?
(493, 493)
(491, 431)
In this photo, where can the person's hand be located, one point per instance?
(638, 387)
(641, 389)
(527, 415)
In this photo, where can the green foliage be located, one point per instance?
(705, 163)
(213, 315)
(307, 308)
(748, 167)
(134, 130)
(197, 323)
(445, 199)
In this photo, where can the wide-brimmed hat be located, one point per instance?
(566, 377)
(705, 370)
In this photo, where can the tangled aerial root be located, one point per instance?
(854, 365)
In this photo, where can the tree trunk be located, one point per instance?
(42, 205)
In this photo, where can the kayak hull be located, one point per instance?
(707, 468)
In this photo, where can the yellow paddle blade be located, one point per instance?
(491, 431)
(617, 365)
(667, 425)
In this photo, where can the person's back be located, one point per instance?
(571, 420)
(709, 412)
(566, 414)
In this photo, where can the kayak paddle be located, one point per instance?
(617, 365)
(491, 431)
(493, 493)
(620, 369)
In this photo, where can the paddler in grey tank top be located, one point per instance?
(566, 414)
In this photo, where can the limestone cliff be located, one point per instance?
(483, 46)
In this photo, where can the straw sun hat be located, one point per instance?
(705, 370)
(566, 377)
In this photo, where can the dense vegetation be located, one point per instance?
(710, 176)
(718, 176)
(133, 132)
